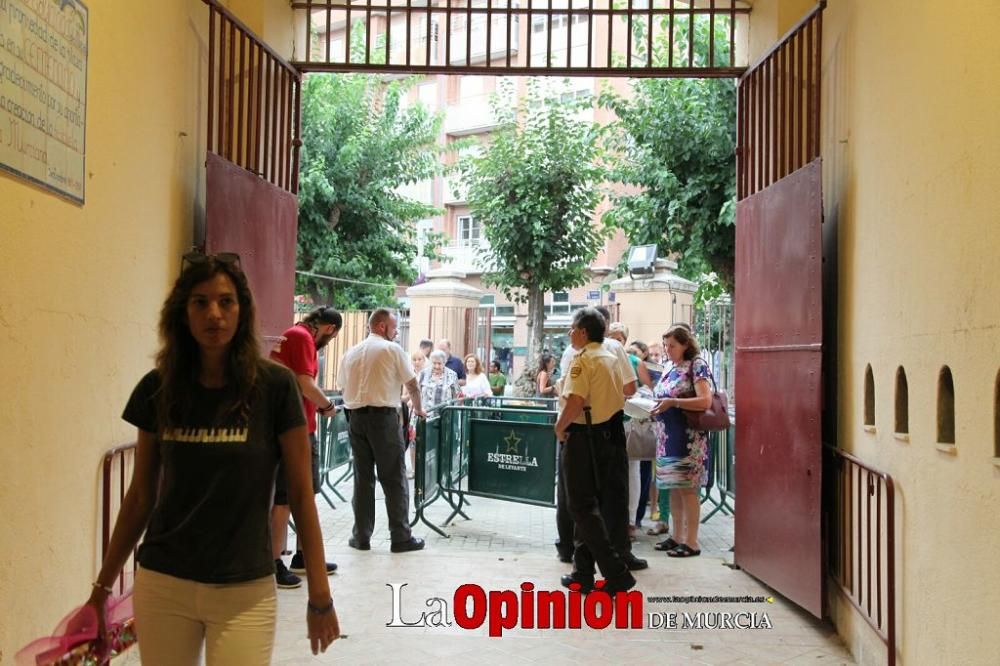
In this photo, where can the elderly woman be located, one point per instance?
(212, 420)
(438, 384)
(681, 453)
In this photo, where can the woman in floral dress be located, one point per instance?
(681, 453)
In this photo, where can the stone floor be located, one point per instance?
(504, 544)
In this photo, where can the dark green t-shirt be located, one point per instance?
(211, 523)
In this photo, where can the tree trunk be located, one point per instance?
(525, 385)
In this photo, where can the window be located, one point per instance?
(488, 300)
(505, 311)
(869, 399)
(902, 403)
(946, 408)
(560, 302)
(469, 231)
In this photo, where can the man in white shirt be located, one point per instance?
(370, 376)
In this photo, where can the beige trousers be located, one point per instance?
(174, 617)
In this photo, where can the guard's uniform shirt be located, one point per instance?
(593, 375)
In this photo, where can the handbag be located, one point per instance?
(640, 441)
(716, 417)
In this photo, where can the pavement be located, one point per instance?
(505, 544)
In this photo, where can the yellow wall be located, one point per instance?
(80, 290)
(910, 140)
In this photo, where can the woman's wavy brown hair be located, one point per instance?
(682, 334)
(178, 360)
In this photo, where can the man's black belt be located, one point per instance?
(613, 422)
(373, 410)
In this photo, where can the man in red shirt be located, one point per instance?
(298, 353)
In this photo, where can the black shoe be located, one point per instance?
(585, 582)
(358, 545)
(621, 583)
(567, 558)
(284, 578)
(413, 543)
(298, 565)
(631, 561)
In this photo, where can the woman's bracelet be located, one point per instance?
(328, 407)
(319, 610)
(97, 585)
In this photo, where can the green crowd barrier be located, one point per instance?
(334, 451)
(488, 447)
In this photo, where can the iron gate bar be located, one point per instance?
(848, 531)
(778, 107)
(249, 85)
(489, 10)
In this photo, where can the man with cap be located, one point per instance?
(593, 461)
(298, 352)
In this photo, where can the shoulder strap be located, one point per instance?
(715, 387)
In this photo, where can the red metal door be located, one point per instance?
(778, 354)
(249, 215)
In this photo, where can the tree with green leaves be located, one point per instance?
(676, 140)
(535, 189)
(359, 147)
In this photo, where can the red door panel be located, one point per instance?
(246, 214)
(778, 334)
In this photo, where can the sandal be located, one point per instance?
(667, 544)
(683, 550)
(658, 529)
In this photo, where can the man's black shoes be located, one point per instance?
(634, 563)
(298, 565)
(585, 582)
(611, 586)
(358, 545)
(413, 543)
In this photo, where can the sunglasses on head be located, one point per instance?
(195, 258)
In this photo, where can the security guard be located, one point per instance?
(593, 463)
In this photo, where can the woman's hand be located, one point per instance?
(663, 405)
(324, 628)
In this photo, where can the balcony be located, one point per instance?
(466, 258)
(472, 115)
(477, 52)
(454, 192)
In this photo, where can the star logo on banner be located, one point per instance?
(512, 440)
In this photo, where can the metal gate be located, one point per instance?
(252, 163)
(779, 341)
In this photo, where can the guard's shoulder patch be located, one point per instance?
(575, 371)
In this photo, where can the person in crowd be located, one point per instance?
(426, 347)
(619, 332)
(213, 418)
(656, 353)
(453, 363)
(545, 383)
(419, 360)
(682, 452)
(298, 352)
(593, 459)
(640, 351)
(371, 374)
(438, 384)
(498, 380)
(476, 383)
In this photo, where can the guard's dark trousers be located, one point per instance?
(615, 513)
(596, 485)
(375, 440)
